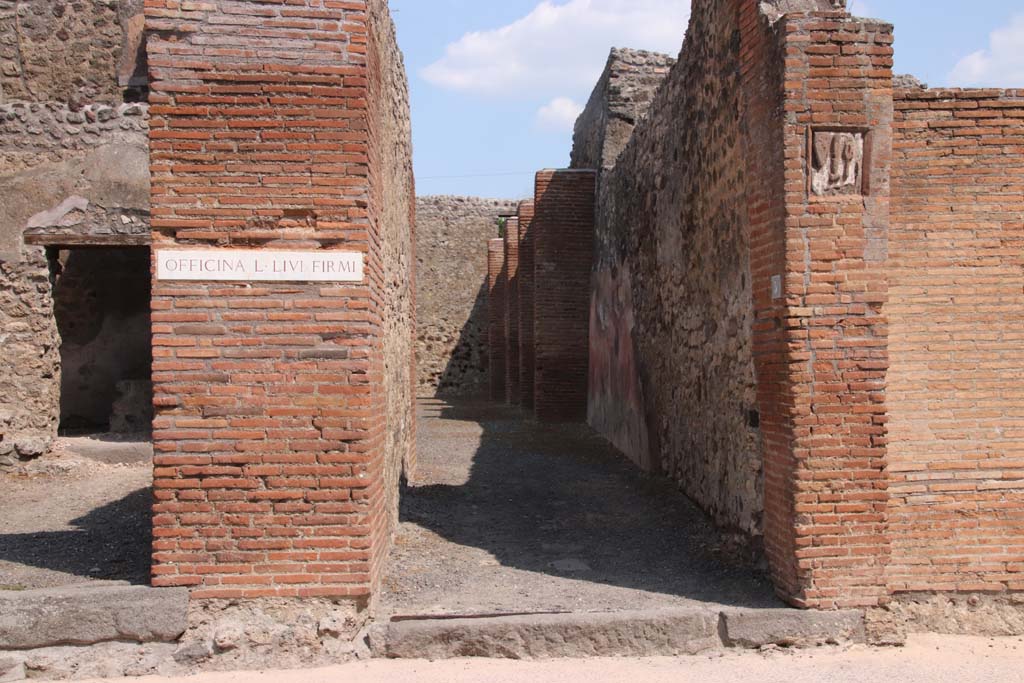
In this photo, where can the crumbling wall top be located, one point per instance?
(619, 101)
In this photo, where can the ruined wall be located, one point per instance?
(393, 219)
(30, 363)
(618, 103)
(738, 343)
(68, 50)
(672, 372)
(78, 172)
(451, 296)
(956, 312)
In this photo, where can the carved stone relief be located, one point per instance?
(837, 162)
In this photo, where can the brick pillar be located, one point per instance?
(819, 240)
(563, 254)
(527, 357)
(512, 366)
(496, 345)
(270, 427)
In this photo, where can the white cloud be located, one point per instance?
(1001, 65)
(860, 8)
(557, 48)
(559, 114)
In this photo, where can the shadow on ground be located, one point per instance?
(109, 543)
(507, 515)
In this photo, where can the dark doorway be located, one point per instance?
(102, 305)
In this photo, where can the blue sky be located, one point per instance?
(496, 84)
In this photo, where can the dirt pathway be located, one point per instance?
(509, 516)
(927, 659)
(79, 516)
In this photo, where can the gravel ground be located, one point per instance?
(926, 659)
(509, 516)
(79, 515)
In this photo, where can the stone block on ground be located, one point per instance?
(620, 634)
(86, 615)
(12, 669)
(791, 628)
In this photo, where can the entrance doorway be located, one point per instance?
(101, 303)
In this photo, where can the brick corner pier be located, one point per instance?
(284, 409)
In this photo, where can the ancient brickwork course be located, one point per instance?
(563, 251)
(527, 343)
(497, 286)
(284, 411)
(956, 315)
(513, 393)
(451, 297)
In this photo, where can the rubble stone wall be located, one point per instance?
(672, 379)
(451, 298)
(72, 171)
(30, 363)
(76, 51)
(619, 102)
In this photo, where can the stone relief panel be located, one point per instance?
(837, 163)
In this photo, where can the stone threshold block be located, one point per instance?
(86, 615)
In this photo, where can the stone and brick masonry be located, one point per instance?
(809, 321)
(775, 274)
(737, 335)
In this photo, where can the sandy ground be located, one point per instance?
(927, 659)
(506, 516)
(80, 515)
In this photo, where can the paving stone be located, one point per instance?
(87, 615)
(790, 627)
(636, 634)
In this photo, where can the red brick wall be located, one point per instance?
(956, 309)
(563, 254)
(512, 365)
(270, 428)
(838, 77)
(496, 308)
(762, 67)
(392, 219)
(527, 355)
